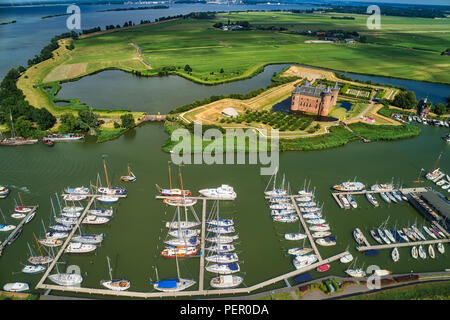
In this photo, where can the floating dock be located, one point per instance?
(16, 232)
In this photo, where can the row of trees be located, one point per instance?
(407, 100)
(28, 120)
(47, 51)
(85, 121)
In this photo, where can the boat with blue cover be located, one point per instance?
(303, 277)
(223, 268)
(371, 252)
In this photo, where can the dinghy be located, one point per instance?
(16, 287)
(22, 209)
(226, 281)
(414, 252)
(395, 254)
(382, 272)
(323, 268)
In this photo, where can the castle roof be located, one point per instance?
(308, 90)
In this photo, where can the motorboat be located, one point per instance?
(321, 234)
(108, 199)
(77, 191)
(66, 279)
(175, 193)
(22, 209)
(221, 248)
(344, 201)
(112, 191)
(395, 254)
(304, 261)
(320, 227)
(323, 268)
(326, 242)
(422, 253)
(130, 177)
(431, 251)
(286, 218)
(223, 268)
(351, 201)
(33, 268)
(64, 137)
(346, 258)
(40, 259)
(226, 281)
(173, 285)
(441, 182)
(349, 186)
(382, 187)
(7, 227)
(299, 251)
(179, 252)
(89, 238)
(182, 225)
(295, 236)
(16, 287)
(441, 248)
(4, 192)
(358, 237)
(78, 247)
(316, 221)
(220, 222)
(91, 219)
(356, 273)
(223, 192)
(50, 242)
(221, 230)
(414, 252)
(372, 199)
(222, 257)
(382, 272)
(385, 197)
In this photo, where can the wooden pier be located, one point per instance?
(305, 227)
(40, 284)
(16, 232)
(401, 244)
(363, 237)
(202, 248)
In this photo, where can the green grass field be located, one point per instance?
(404, 47)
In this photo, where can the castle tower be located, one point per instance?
(327, 97)
(335, 91)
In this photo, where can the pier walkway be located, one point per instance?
(363, 237)
(401, 244)
(16, 232)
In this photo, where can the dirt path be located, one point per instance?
(140, 57)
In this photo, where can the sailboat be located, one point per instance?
(13, 140)
(226, 281)
(304, 261)
(171, 192)
(130, 177)
(223, 257)
(173, 285)
(395, 254)
(431, 251)
(295, 236)
(355, 272)
(275, 192)
(372, 199)
(38, 260)
(22, 208)
(4, 192)
(414, 252)
(33, 269)
(422, 253)
(110, 191)
(66, 279)
(6, 227)
(115, 285)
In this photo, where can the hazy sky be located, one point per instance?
(430, 2)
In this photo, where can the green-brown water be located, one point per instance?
(135, 234)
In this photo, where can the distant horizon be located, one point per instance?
(347, 2)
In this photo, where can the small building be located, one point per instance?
(318, 100)
(230, 113)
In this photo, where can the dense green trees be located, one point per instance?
(440, 109)
(127, 121)
(86, 120)
(405, 99)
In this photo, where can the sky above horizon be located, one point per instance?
(424, 2)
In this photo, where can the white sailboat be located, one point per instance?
(226, 281)
(115, 285)
(78, 247)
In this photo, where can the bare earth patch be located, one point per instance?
(224, 44)
(66, 71)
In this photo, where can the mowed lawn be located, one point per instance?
(404, 47)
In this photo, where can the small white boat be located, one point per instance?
(40, 259)
(304, 261)
(441, 182)
(389, 235)
(16, 287)
(358, 237)
(89, 238)
(220, 222)
(185, 233)
(74, 197)
(446, 186)
(382, 272)
(316, 215)
(372, 199)
(183, 242)
(414, 252)
(108, 199)
(221, 248)
(223, 268)
(72, 209)
(7, 227)
(66, 221)
(307, 204)
(173, 285)
(385, 197)
(295, 236)
(440, 248)
(430, 233)
(402, 235)
(221, 230)
(346, 258)
(130, 177)
(431, 251)
(352, 201)
(355, 273)
(376, 237)
(299, 251)
(382, 187)
(226, 281)
(179, 252)
(180, 202)
(33, 269)
(223, 258)
(4, 192)
(223, 192)
(383, 236)
(78, 247)
(344, 201)
(391, 197)
(116, 285)
(304, 199)
(422, 253)
(71, 214)
(305, 193)
(321, 234)
(326, 242)
(222, 239)
(91, 219)
(183, 224)
(281, 212)
(396, 196)
(50, 242)
(22, 209)
(395, 254)
(320, 227)
(349, 186)
(285, 218)
(66, 279)
(77, 191)
(18, 215)
(420, 234)
(101, 212)
(316, 221)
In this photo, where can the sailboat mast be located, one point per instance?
(20, 199)
(13, 134)
(435, 166)
(106, 174)
(170, 176)
(109, 268)
(39, 247)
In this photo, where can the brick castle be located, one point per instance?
(318, 100)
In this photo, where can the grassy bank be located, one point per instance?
(385, 132)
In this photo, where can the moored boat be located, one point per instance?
(295, 236)
(414, 252)
(16, 287)
(33, 269)
(40, 259)
(346, 258)
(395, 254)
(299, 251)
(349, 186)
(304, 261)
(422, 253)
(323, 268)
(382, 272)
(91, 219)
(222, 257)
(223, 268)
(320, 227)
(358, 237)
(223, 192)
(179, 252)
(326, 242)
(89, 238)
(226, 281)
(78, 247)
(66, 279)
(173, 285)
(431, 251)
(372, 199)
(440, 248)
